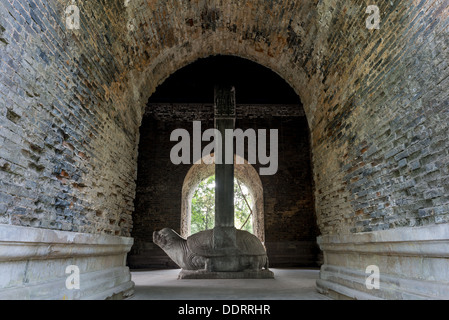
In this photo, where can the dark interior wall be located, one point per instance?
(290, 222)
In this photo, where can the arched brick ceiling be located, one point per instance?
(170, 35)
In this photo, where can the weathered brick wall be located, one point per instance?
(288, 196)
(384, 119)
(67, 148)
(71, 102)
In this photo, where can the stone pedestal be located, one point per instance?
(249, 274)
(33, 265)
(413, 264)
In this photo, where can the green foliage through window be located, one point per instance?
(203, 206)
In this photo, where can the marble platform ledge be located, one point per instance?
(413, 264)
(33, 265)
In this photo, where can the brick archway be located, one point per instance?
(244, 172)
(375, 100)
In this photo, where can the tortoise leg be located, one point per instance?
(208, 265)
(254, 264)
(266, 263)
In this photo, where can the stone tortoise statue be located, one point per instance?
(195, 252)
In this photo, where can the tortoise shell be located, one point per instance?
(201, 243)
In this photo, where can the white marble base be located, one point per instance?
(33, 263)
(249, 274)
(413, 264)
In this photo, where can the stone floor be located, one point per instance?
(289, 284)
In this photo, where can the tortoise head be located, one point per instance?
(165, 237)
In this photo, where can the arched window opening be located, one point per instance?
(246, 178)
(203, 206)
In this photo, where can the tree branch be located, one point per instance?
(246, 201)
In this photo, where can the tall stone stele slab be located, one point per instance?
(224, 252)
(224, 235)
